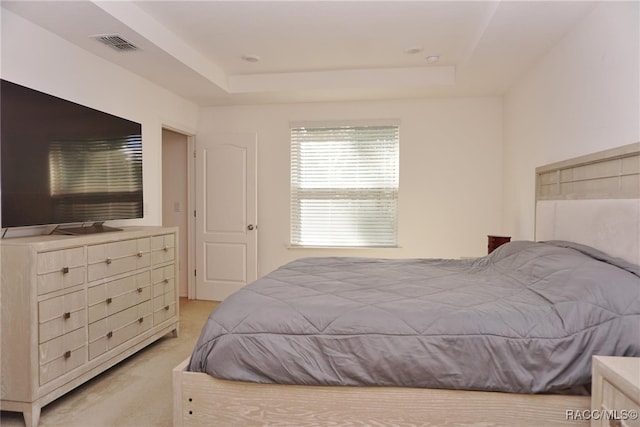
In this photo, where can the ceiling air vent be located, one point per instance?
(116, 42)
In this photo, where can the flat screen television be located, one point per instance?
(65, 163)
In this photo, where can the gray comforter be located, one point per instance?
(526, 318)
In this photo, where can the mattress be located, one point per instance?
(527, 318)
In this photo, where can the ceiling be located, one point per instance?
(311, 51)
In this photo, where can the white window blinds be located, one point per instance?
(344, 186)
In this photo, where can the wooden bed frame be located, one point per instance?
(611, 177)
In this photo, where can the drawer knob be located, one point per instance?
(67, 354)
(166, 307)
(109, 334)
(66, 315)
(166, 280)
(140, 320)
(140, 254)
(166, 248)
(109, 300)
(65, 270)
(108, 260)
(139, 290)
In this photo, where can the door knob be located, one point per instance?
(250, 227)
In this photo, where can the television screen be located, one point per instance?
(61, 162)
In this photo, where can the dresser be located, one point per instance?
(615, 392)
(73, 306)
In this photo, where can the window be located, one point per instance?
(344, 186)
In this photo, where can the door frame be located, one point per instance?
(191, 204)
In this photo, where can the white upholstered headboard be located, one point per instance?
(593, 200)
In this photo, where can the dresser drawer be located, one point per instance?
(59, 315)
(71, 357)
(55, 260)
(162, 248)
(615, 391)
(614, 399)
(114, 330)
(108, 298)
(163, 280)
(113, 258)
(164, 307)
(57, 347)
(60, 269)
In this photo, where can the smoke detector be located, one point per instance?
(433, 59)
(116, 41)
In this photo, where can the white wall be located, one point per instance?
(450, 172)
(582, 97)
(36, 58)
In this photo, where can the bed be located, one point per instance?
(502, 383)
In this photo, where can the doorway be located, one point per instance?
(175, 197)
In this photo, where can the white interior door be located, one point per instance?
(226, 214)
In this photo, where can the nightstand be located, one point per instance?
(495, 241)
(615, 391)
